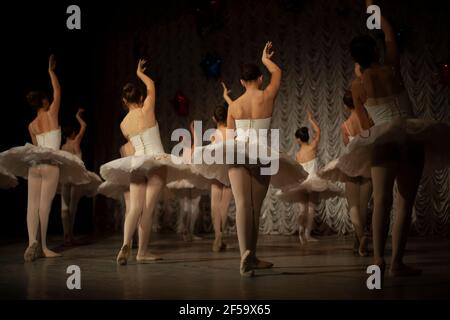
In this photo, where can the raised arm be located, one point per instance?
(316, 128)
(226, 94)
(149, 102)
(83, 126)
(392, 56)
(54, 106)
(275, 71)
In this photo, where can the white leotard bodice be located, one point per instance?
(147, 142)
(50, 139)
(244, 127)
(310, 166)
(388, 108)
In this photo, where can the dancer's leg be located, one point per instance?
(224, 206)
(259, 186)
(313, 202)
(352, 190)
(408, 180)
(155, 184)
(137, 197)
(216, 194)
(65, 212)
(302, 217)
(240, 180)
(34, 194)
(75, 197)
(50, 179)
(383, 177)
(365, 192)
(194, 202)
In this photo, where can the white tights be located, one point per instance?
(249, 190)
(306, 215)
(220, 202)
(190, 211)
(70, 197)
(42, 183)
(144, 195)
(358, 192)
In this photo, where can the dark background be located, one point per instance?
(91, 64)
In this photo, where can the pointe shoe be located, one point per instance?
(245, 268)
(404, 271)
(122, 257)
(148, 258)
(196, 238)
(50, 254)
(362, 250)
(261, 264)
(30, 252)
(218, 244)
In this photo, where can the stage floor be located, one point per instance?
(322, 270)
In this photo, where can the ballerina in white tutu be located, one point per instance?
(189, 190)
(146, 171)
(71, 193)
(309, 192)
(358, 190)
(220, 193)
(395, 149)
(44, 165)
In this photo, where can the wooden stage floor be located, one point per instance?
(323, 270)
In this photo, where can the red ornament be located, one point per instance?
(181, 104)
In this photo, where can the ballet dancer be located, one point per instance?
(44, 165)
(145, 171)
(309, 192)
(189, 190)
(71, 194)
(220, 193)
(358, 190)
(395, 149)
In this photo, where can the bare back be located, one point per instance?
(306, 153)
(72, 146)
(381, 81)
(136, 121)
(254, 104)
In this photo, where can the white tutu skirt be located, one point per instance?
(7, 180)
(359, 154)
(112, 190)
(121, 170)
(289, 171)
(18, 160)
(87, 189)
(312, 185)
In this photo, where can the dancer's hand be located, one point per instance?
(79, 112)
(226, 91)
(141, 66)
(310, 116)
(51, 63)
(267, 52)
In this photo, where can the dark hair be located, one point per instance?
(221, 114)
(35, 98)
(302, 134)
(363, 50)
(348, 99)
(250, 72)
(67, 130)
(131, 93)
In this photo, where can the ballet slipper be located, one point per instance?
(362, 250)
(245, 267)
(122, 257)
(196, 238)
(402, 270)
(147, 258)
(261, 264)
(30, 252)
(50, 254)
